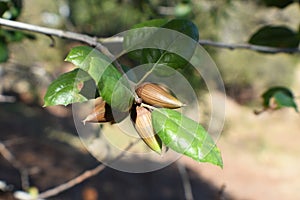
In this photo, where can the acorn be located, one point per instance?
(101, 113)
(158, 96)
(142, 122)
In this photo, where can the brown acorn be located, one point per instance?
(156, 95)
(101, 113)
(142, 122)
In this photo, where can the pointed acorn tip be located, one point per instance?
(156, 149)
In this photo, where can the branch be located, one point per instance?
(82, 177)
(259, 48)
(7, 99)
(93, 41)
(16, 164)
(185, 181)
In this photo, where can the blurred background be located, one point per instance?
(260, 152)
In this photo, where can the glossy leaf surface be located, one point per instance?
(66, 88)
(113, 88)
(185, 136)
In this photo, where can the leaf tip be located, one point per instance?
(221, 165)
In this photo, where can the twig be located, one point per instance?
(15, 141)
(16, 164)
(185, 181)
(52, 44)
(82, 177)
(92, 41)
(115, 39)
(7, 99)
(259, 48)
(221, 193)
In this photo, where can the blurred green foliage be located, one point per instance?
(225, 20)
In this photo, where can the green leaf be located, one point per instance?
(3, 51)
(183, 26)
(283, 98)
(278, 3)
(66, 88)
(163, 44)
(133, 37)
(81, 56)
(185, 136)
(113, 88)
(130, 73)
(151, 23)
(275, 36)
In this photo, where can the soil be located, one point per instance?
(260, 153)
(24, 131)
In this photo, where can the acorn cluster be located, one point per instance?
(151, 94)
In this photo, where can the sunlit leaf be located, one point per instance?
(81, 56)
(275, 36)
(113, 88)
(66, 88)
(185, 136)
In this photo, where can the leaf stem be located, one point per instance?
(151, 70)
(148, 106)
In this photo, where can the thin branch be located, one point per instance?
(82, 177)
(185, 181)
(16, 164)
(221, 193)
(115, 39)
(7, 99)
(259, 48)
(92, 41)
